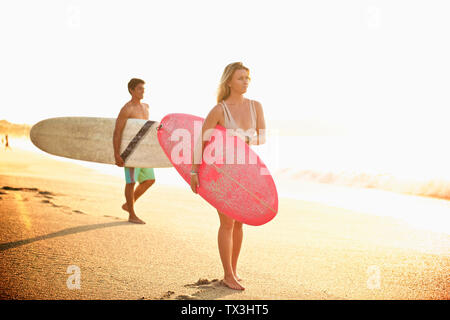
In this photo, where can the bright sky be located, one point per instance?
(371, 67)
(365, 65)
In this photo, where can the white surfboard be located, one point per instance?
(91, 139)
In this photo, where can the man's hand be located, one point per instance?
(119, 160)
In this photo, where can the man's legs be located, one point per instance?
(129, 195)
(139, 191)
(146, 178)
(142, 187)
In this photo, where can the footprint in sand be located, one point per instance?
(49, 202)
(23, 189)
(115, 218)
(46, 194)
(43, 193)
(186, 297)
(166, 295)
(12, 188)
(207, 290)
(201, 282)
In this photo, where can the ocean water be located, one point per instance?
(409, 164)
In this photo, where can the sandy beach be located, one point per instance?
(56, 214)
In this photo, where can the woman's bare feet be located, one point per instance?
(232, 283)
(236, 276)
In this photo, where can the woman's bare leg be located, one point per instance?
(237, 242)
(225, 241)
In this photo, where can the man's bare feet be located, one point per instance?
(135, 219)
(232, 283)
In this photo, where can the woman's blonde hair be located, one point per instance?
(224, 90)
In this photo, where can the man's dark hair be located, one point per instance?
(133, 83)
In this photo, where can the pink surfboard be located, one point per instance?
(232, 177)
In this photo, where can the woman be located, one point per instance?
(244, 118)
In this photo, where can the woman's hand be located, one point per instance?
(194, 182)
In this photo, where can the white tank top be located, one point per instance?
(233, 127)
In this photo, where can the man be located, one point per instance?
(145, 176)
(7, 143)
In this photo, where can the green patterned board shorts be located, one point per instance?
(138, 174)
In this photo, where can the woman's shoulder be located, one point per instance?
(256, 103)
(218, 107)
(217, 110)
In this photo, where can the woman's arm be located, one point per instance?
(212, 119)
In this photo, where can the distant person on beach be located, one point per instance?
(242, 117)
(7, 143)
(145, 176)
